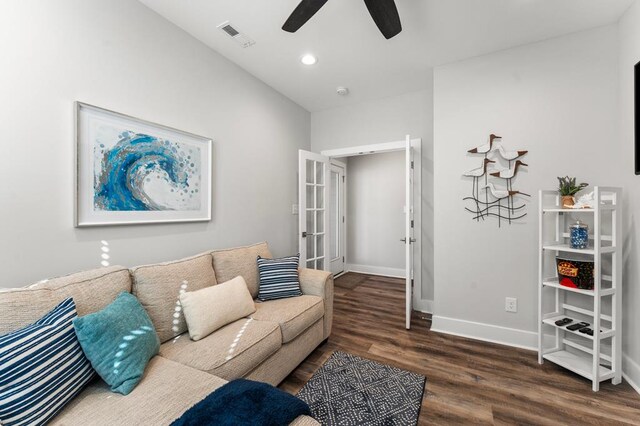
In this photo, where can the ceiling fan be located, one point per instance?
(383, 12)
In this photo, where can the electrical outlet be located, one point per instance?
(294, 209)
(511, 304)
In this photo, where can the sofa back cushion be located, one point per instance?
(91, 291)
(240, 261)
(158, 288)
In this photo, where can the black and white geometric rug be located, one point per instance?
(349, 390)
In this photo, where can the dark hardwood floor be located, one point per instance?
(468, 381)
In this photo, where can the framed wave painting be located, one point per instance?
(131, 171)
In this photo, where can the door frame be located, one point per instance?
(409, 230)
(343, 235)
(416, 145)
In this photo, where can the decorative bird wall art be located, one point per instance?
(496, 198)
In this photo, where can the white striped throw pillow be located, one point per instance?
(279, 278)
(42, 368)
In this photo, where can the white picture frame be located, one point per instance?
(131, 171)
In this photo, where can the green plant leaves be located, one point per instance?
(567, 186)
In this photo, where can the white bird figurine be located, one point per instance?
(509, 173)
(510, 155)
(502, 193)
(480, 171)
(486, 148)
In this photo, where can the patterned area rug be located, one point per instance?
(349, 390)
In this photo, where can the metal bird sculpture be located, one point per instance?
(479, 171)
(486, 148)
(503, 193)
(510, 155)
(493, 204)
(509, 173)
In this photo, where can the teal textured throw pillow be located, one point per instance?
(119, 341)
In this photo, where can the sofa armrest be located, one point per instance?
(319, 283)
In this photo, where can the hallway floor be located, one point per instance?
(468, 381)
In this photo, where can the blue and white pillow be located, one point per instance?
(42, 368)
(279, 278)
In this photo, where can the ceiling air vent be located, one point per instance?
(235, 34)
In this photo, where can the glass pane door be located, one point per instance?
(313, 211)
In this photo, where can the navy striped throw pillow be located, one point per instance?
(278, 278)
(42, 367)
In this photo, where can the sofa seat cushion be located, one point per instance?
(294, 314)
(230, 352)
(166, 391)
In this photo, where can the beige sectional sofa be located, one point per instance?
(266, 346)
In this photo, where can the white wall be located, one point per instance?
(120, 55)
(382, 120)
(387, 120)
(375, 216)
(559, 100)
(629, 56)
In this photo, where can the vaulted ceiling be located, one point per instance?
(352, 53)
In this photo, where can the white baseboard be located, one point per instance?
(631, 372)
(516, 338)
(424, 305)
(486, 332)
(376, 270)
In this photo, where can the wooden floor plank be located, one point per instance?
(468, 381)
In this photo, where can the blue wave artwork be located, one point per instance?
(139, 172)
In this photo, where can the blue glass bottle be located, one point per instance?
(579, 235)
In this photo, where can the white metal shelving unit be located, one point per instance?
(598, 357)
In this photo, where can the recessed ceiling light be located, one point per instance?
(309, 59)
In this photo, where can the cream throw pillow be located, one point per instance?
(213, 307)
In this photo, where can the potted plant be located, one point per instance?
(568, 188)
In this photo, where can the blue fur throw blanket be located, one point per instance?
(245, 402)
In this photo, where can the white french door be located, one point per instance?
(319, 214)
(409, 239)
(313, 237)
(337, 225)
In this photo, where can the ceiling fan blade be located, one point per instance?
(385, 15)
(301, 14)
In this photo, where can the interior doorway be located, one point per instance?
(325, 200)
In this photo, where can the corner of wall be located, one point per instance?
(631, 372)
